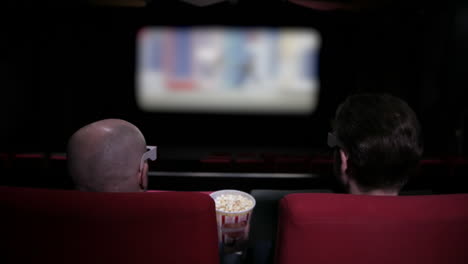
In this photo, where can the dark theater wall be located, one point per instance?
(458, 73)
(65, 69)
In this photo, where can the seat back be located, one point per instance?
(343, 228)
(59, 226)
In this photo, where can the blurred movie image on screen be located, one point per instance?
(227, 70)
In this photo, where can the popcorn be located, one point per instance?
(233, 213)
(233, 203)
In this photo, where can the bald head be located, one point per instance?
(105, 156)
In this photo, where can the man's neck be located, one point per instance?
(354, 189)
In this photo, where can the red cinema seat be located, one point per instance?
(343, 228)
(58, 226)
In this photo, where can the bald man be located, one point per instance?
(106, 156)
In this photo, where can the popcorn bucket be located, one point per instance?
(233, 224)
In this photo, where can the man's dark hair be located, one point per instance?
(381, 136)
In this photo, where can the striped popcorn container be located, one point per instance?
(233, 213)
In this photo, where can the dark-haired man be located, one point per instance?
(378, 144)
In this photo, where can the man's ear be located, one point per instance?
(143, 177)
(344, 166)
